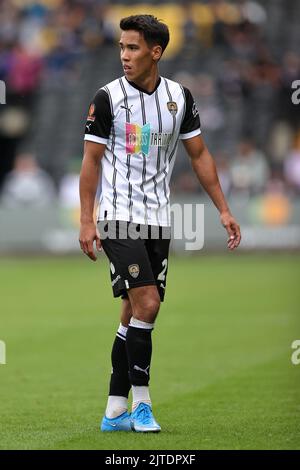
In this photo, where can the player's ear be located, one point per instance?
(156, 52)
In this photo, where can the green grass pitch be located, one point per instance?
(222, 376)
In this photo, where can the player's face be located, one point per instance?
(138, 59)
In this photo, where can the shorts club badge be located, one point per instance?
(134, 270)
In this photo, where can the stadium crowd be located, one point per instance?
(236, 63)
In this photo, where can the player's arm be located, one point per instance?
(88, 183)
(97, 131)
(204, 166)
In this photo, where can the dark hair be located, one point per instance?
(155, 32)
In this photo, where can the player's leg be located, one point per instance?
(131, 274)
(116, 416)
(119, 381)
(145, 302)
(126, 312)
(145, 305)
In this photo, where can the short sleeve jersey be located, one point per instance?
(140, 131)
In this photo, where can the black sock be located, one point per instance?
(119, 381)
(139, 351)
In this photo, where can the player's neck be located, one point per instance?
(148, 83)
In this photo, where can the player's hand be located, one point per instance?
(88, 234)
(233, 230)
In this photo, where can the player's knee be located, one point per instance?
(152, 309)
(148, 309)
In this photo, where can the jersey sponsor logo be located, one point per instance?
(91, 115)
(134, 270)
(172, 107)
(160, 139)
(139, 139)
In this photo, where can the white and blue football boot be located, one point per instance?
(120, 423)
(142, 419)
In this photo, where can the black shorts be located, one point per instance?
(137, 262)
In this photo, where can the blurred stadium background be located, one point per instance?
(237, 387)
(239, 59)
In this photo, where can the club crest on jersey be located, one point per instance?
(91, 115)
(134, 270)
(172, 107)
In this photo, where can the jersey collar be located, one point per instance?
(141, 89)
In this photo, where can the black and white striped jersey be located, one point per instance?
(141, 131)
